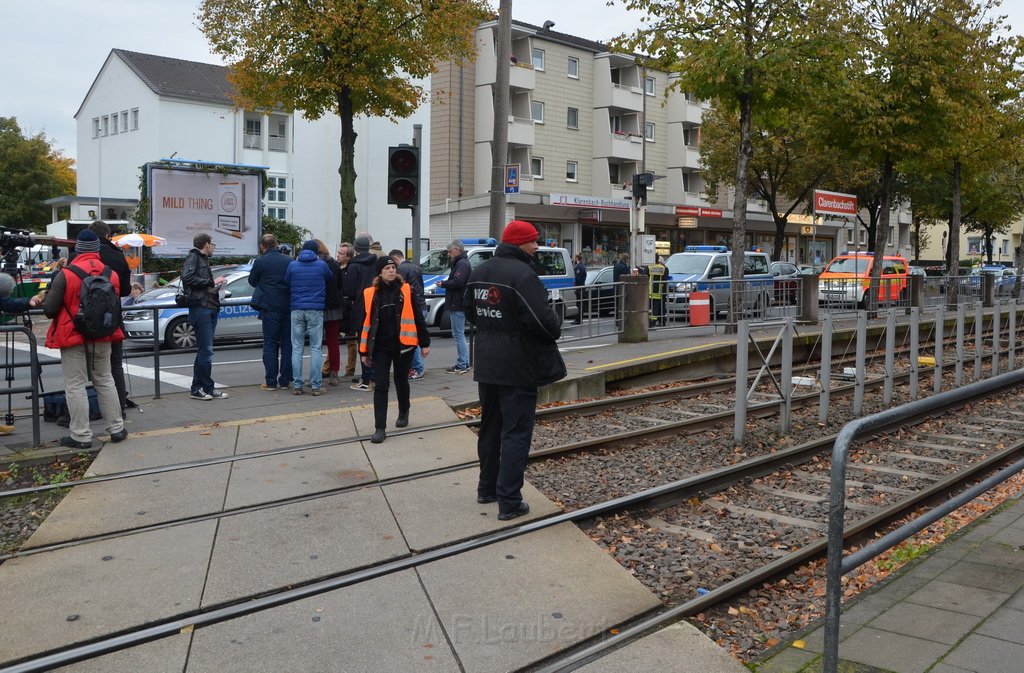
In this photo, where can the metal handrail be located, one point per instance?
(836, 565)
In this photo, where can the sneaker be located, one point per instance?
(455, 369)
(218, 395)
(514, 513)
(119, 436)
(73, 443)
(200, 395)
(317, 392)
(264, 386)
(361, 386)
(416, 376)
(296, 391)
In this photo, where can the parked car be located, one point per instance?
(706, 268)
(847, 279)
(236, 320)
(554, 267)
(786, 283)
(1005, 279)
(599, 295)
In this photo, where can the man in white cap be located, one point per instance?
(82, 358)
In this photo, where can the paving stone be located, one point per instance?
(987, 655)
(1012, 536)
(890, 651)
(661, 651)
(400, 455)
(416, 505)
(1005, 624)
(928, 568)
(815, 640)
(130, 503)
(920, 621)
(958, 598)
(1016, 601)
(869, 607)
(308, 427)
(511, 603)
(787, 661)
(943, 667)
(165, 448)
(983, 575)
(303, 472)
(424, 411)
(167, 655)
(999, 555)
(96, 588)
(383, 625)
(278, 546)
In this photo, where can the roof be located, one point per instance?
(565, 38)
(174, 77)
(179, 78)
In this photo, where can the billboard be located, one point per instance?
(185, 202)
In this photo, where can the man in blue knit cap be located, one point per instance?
(307, 278)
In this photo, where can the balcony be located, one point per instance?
(619, 96)
(252, 142)
(520, 131)
(686, 112)
(521, 76)
(277, 144)
(619, 145)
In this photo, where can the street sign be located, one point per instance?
(511, 178)
(834, 203)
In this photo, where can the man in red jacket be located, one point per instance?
(82, 359)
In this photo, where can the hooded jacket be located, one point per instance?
(359, 275)
(307, 279)
(267, 276)
(455, 285)
(517, 330)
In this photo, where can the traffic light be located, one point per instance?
(641, 181)
(404, 176)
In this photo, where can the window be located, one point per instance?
(135, 119)
(278, 141)
(571, 168)
(277, 189)
(613, 174)
(572, 118)
(649, 86)
(574, 68)
(649, 131)
(106, 125)
(124, 121)
(686, 183)
(537, 168)
(616, 123)
(278, 213)
(253, 134)
(690, 137)
(113, 123)
(891, 237)
(537, 112)
(538, 59)
(95, 127)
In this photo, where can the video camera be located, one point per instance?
(11, 239)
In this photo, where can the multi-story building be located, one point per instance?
(582, 122)
(142, 108)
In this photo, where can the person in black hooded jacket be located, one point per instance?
(516, 353)
(359, 275)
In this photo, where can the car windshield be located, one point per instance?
(434, 262)
(857, 265)
(687, 264)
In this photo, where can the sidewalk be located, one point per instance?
(960, 609)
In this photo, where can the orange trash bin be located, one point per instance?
(700, 309)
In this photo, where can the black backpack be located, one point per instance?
(99, 305)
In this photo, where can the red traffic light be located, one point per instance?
(404, 162)
(403, 176)
(402, 193)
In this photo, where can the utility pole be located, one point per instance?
(499, 144)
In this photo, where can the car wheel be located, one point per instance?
(444, 321)
(180, 334)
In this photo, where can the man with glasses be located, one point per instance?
(202, 292)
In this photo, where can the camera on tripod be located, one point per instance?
(11, 240)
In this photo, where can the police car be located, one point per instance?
(706, 268)
(554, 267)
(236, 320)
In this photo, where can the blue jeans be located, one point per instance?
(204, 322)
(459, 335)
(417, 361)
(277, 347)
(307, 322)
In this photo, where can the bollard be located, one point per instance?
(700, 309)
(635, 309)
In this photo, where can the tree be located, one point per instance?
(744, 56)
(33, 171)
(344, 57)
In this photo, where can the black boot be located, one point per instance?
(378, 436)
(402, 420)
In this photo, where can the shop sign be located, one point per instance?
(577, 201)
(687, 222)
(694, 211)
(589, 216)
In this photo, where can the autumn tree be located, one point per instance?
(343, 57)
(33, 171)
(743, 56)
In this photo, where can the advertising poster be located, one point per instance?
(186, 202)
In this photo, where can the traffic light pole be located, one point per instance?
(417, 140)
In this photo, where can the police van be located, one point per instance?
(706, 268)
(554, 267)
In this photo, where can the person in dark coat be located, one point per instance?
(580, 279)
(411, 274)
(359, 275)
(332, 314)
(202, 296)
(454, 287)
(621, 267)
(516, 353)
(271, 300)
(392, 328)
(307, 278)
